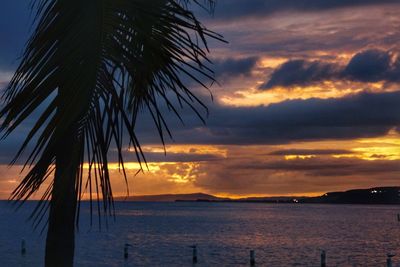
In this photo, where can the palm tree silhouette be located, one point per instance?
(89, 68)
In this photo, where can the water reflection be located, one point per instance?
(281, 235)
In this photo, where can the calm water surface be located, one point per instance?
(161, 235)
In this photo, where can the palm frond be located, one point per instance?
(94, 65)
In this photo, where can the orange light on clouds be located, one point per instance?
(380, 148)
(271, 62)
(188, 175)
(376, 148)
(186, 149)
(324, 90)
(294, 157)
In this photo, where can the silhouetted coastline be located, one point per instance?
(376, 195)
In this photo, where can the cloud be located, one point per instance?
(230, 67)
(303, 152)
(259, 176)
(300, 72)
(367, 66)
(319, 167)
(356, 116)
(172, 157)
(236, 9)
(225, 69)
(370, 66)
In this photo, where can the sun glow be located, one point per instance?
(186, 174)
(381, 148)
(129, 166)
(271, 62)
(324, 90)
(186, 149)
(294, 157)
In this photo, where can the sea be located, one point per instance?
(162, 234)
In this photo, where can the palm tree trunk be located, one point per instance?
(60, 240)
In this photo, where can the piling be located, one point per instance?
(389, 260)
(323, 258)
(126, 251)
(252, 258)
(194, 256)
(23, 247)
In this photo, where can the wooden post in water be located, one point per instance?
(252, 258)
(323, 258)
(194, 256)
(23, 247)
(126, 252)
(389, 260)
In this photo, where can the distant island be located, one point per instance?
(376, 195)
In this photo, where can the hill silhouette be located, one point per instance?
(375, 195)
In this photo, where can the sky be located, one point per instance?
(307, 101)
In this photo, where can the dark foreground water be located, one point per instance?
(161, 233)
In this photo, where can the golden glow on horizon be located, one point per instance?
(86, 196)
(238, 196)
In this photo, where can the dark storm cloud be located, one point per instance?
(367, 66)
(236, 9)
(227, 68)
(363, 115)
(358, 116)
(370, 66)
(301, 72)
(170, 157)
(327, 167)
(308, 165)
(286, 152)
(8, 152)
(224, 69)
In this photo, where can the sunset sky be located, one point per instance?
(308, 101)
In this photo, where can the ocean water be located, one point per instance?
(161, 235)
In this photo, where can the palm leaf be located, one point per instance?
(94, 65)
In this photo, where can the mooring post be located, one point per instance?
(126, 252)
(252, 258)
(194, 256)
(23, 247)
(389, 259)
(323, 258)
